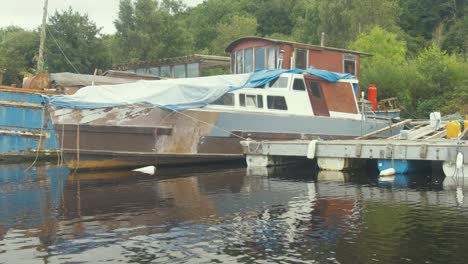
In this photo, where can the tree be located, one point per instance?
(148, 31)
(306, 20)
(366, 14)
(204, 19)
(387, 67)
(18, 48)
(442, 74)
(335, 22)
(235, 28)
(273, 16)
(74, 44)
(383, 45)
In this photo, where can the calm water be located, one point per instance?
(234, 215)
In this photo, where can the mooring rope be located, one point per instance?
(40, 139)
(212, 125)
(77, 146)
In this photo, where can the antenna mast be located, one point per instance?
(40, 59)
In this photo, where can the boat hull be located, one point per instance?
(136, 136)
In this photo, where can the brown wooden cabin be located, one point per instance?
(180, 67)
(252, 53)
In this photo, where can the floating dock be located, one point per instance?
(422, 143)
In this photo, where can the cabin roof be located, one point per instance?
(295, 44)
(208, 60)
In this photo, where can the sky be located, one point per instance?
(28, 13)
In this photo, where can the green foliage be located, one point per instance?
(74, 44)
(383, 45)
(18, 49)
(233, 29)
(274, 17)
(366, 14)
(335, 22)
(148, 31)
(204, 19)
(306, 20)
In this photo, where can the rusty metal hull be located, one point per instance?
(135, 136)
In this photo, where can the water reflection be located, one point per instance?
(218, 214)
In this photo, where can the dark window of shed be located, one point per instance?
(248, 60)
(193, 70)
(271, 58)
(259, 58)
(349, 63)
(298, 84)
(277, 102)
(226, 99)
(301, 59)
(165, 71)
(179, 71)
(240, 61)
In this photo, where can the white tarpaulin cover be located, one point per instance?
(173, 94)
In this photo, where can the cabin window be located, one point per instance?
(165, 71)
(277, 102)
(280, 82)
(242, 99)
(192, 70)
(301, 59)
(239, 61)
(299, 85)
(248, 60)
(226, 99)
(259, 101)
(251, 100)
(349, 63)
(259, 58)
(179, 71)
(315, 89)
(271, 58)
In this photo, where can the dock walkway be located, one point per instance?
(422, 143)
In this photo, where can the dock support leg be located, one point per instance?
(339, 164)
(333, 164)
(259, 161)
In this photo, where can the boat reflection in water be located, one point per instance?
(218, 214)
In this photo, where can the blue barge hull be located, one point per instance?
(25, 126)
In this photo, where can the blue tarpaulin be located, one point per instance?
(261, 77)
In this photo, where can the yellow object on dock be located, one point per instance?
(453, 129)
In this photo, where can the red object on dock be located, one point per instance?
(372, 96)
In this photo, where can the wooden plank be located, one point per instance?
(427, 130)
(465, 133)
(402, 123)
(437, 135)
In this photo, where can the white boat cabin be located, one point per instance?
(295, 94)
